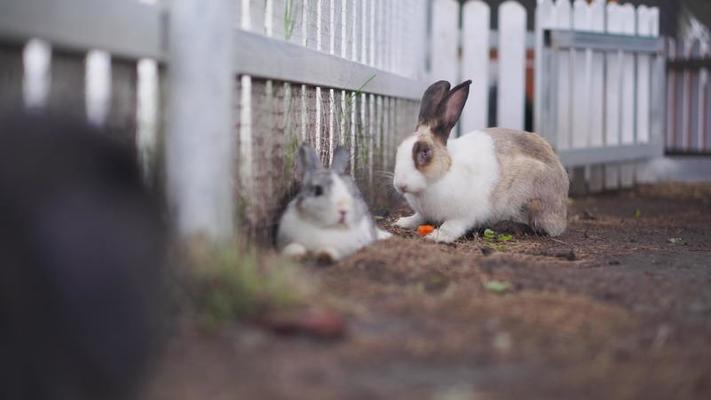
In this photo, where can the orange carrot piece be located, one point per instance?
(424, 230)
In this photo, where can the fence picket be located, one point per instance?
(613, 96)
(475, 64)
(581, 78)
(563, 20)
(32, 71)
(629, 133)
(541, 104)
(444, 41)
(97, 81)
(512, 65)
(597, 96)
(644, 28)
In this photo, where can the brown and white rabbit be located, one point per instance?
(329, 216)
(479, 178)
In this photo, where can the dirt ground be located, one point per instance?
(619, 307)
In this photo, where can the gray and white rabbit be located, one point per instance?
(479, 178)
(328, 216)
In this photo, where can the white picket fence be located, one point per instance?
(598, 88)
(243, 82)
(689, 98)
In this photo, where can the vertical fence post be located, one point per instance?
(597, 96)
(613, 96)
(542, 103)
(628, 123)
(563, 20)
(198, 119)
(445, 41)
(512, 66)
(475, 63)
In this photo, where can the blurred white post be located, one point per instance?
(544, 20)
(581, 79)
(445, 41)
(563, 20)
(597, 96)
(613, 98)
(198, 118)
(512, 66)
(475, 64)
(627, 170)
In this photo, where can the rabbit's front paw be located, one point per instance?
(410, 222)
(294, 250)
(448, 232)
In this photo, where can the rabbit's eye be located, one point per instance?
(318, 190)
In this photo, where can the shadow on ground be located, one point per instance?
(619, 307)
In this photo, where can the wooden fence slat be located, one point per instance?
(581, 79)
(563, 20)
(147, 117)
(199, 143)
(627, 170)
(597, 96)
(98, 83)
(445, 42)
(613, 95)
(37, 56)
(475, 64)
(644, 28)
(541, 105)
(706, 110)
(512, 65)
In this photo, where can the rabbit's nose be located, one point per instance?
(402, 188)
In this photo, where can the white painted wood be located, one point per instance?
(355, 28)
(644, 64)
(613, 96)
(627, 15)
(147, 116)
(199, 140)
(364, 24)
(318, 129)
(563, 20)
(597, 96)
(671, 98)
(475, 64)
(97, 84)
(37, 57)
(581, 79)
(445, 39)
(372, 61)
(79, 25)
(705, 111)
(628, 120)
(512, 65)
(544, 20)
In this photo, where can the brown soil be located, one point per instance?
(619, 307)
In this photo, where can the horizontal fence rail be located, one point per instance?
(126, 29)
(263, 57)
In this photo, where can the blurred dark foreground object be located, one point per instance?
(82, 247)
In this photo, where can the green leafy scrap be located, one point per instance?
(498, 287)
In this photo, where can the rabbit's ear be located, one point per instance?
(308, 160)
(340, 160)
(451, 109)
(431, 100)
